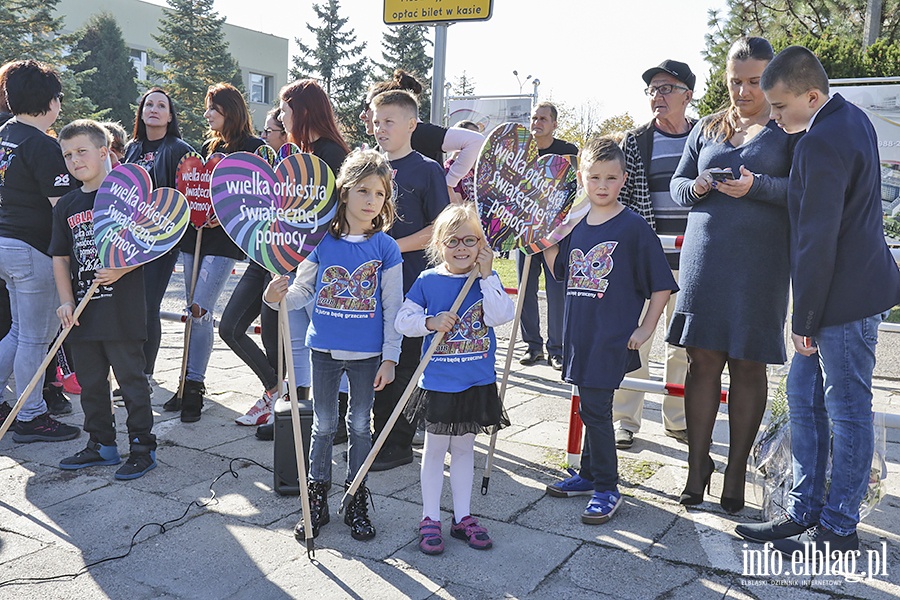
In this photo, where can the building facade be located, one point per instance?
(262, 57)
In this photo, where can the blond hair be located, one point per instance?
(358, 165)
(449, 222)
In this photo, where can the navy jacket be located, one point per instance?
(841, 268)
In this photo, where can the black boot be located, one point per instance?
(357, 516)
(340, 436)
(192, 401)
(318, 510)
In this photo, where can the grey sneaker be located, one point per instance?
(678, 434)
(624, 438)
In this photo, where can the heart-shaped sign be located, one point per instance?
(287, 150)
(272, 157)
(133, 225)
(522, 197)
(276, 217)
(192, 179)
(268, 154)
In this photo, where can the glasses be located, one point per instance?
(468, 241)
(664, 89)
(269, 130)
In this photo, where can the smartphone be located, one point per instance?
(721, 174)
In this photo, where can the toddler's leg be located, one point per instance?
(462, 469)
(432, 474)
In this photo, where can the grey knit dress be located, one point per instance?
(734, 262)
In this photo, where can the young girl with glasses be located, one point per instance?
(457, 393)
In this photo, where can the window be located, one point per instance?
(139, 58)
(260, 88)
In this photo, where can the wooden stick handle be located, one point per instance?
(504, 379)
(401, 403)
(40, 372)
(285, 330)
(189, 320)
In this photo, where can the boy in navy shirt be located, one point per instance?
(844, 279)
(107, 333)
(419, 195)
(611, 263)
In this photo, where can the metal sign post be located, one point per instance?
(440, 14)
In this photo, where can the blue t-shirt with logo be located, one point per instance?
(347, 310)
(465, 357)
(610, 270)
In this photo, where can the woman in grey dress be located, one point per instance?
(734, 269)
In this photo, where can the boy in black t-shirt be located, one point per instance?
(420, 194)
(107, 334)
(611, 263)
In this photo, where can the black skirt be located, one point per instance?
(477, 409)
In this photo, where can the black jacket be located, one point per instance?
(165, 165)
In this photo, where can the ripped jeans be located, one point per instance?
(214, 272)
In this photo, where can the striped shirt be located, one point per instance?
(671, 218)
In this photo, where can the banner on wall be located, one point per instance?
(882, 105)
(490, 112)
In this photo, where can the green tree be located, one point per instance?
(464, 85)
(337, 61)
(406, 47)
(110, 82)
(29, 29)
(195, 55)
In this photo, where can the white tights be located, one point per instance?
(462, 472)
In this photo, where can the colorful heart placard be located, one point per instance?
(132, 224)
(268, 154)
(522, 197)
(276, 217)
(287, 150)
(192, 178)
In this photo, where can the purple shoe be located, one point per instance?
(469, 530)
(430, 540)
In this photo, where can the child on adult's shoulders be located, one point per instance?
(106, 334)
(611, 262)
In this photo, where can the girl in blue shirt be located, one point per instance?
(457, 394)
(354, 278)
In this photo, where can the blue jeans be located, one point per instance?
(298, 320)
(156, 279)
(599, 462)
(326, 380)
(531, 316)
(214, 273)
(830, 394)
(33, 300)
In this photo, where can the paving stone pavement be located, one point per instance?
(240, 545)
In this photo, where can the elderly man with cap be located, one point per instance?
(652, 153)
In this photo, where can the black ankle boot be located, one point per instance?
(318, 510)
(340, 437)
(192, 401)
(357, 516)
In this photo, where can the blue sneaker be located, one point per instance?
(576, 485)
(601, 507)
(93, 455)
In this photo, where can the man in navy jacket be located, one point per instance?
(844, 280)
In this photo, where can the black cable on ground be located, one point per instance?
(163, 527)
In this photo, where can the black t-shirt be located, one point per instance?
(560, 147)
(215, 242)
(428, 140)
(331, 152)
(420, 194)
(32, 170)
(148, 154)
(115, 312)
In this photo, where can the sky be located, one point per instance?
(582, 51)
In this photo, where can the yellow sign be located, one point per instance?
(405, 12)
